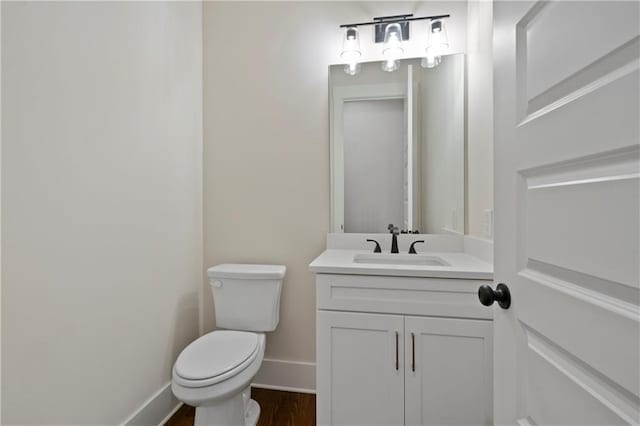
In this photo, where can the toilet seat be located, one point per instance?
(215, 357)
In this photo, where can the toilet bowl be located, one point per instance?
(215, 371)
(213, 374)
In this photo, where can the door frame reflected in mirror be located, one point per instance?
(340, 96)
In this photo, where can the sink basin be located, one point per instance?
(399, 259)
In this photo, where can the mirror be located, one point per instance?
(397, 147)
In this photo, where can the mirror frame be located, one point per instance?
(338, 96)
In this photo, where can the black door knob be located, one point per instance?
(501, 294)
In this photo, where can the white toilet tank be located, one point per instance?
(247, 297)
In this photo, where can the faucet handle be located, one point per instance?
(377, 249)
(412, 249)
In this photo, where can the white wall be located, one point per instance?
(266, 139)
(101, 203)
(479, 115)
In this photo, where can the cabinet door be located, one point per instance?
(448, 373)
(360, 371)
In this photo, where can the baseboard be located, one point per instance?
(156, 410)
(171, 413)
(293, 376)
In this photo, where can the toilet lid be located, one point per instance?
(215, 353)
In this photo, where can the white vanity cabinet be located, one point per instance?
(360, 376)
(402, 351)
(448, 379)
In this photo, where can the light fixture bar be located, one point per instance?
(395, 19)
(392, 17)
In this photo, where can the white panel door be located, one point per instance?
(448, 377)
(566, 87)
(374, 164)
(360, 371)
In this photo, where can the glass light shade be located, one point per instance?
(437, 44)
(392, 49)
(351, 51)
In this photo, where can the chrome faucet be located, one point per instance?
(393, 230)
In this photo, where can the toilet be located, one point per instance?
(215, 371)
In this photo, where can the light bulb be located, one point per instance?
(431, 61)
(352, 68)
(351, 51)
(390, 65)
(392, 49)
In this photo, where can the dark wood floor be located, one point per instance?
(277, 408)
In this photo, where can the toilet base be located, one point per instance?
(235, 411)
(252, 413)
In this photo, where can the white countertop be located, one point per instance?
(461, 265)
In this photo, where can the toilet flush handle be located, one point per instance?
(216, 283)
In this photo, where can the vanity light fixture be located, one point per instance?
(437, 44)
(393, 31)
(351, 51)
(392, 49)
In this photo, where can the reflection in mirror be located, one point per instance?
(397, 147)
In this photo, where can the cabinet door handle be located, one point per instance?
(397, 354)
(413, 352)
